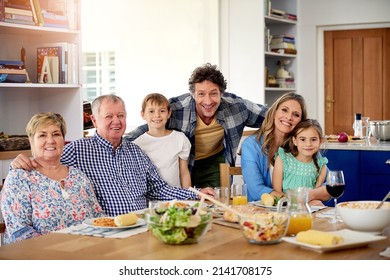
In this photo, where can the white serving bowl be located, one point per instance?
(362, 215)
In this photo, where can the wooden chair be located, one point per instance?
(225, 173)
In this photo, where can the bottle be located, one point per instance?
(357, 126)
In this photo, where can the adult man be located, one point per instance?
(213, 120)
(123, 177)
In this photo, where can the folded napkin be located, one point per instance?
(316, 237)
(82, 229)
(385, 253)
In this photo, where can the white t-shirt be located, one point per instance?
(165, 152)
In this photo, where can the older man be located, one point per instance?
(123, 177)
(213, 120)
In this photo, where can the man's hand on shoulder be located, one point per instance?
(22, 161)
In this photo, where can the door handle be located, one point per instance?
(329, 101)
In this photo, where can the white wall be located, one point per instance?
(242, 47)
(315, 16)
(157, 44)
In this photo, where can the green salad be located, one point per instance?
(176, 223)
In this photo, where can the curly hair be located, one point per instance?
(268, 126)
(207, 72)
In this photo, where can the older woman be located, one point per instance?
(50, 197)
(258, 151)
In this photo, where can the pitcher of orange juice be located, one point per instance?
(299, 210)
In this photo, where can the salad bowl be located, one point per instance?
(178, 222)
(264, 228)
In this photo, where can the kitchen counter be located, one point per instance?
(373, 145)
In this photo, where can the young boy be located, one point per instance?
(167, 149)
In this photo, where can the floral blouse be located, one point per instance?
(33, 204)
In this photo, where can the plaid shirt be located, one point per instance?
(123, 180)
(234, 114)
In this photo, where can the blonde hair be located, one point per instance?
(267, 128)
(155, 98)
(43, 120)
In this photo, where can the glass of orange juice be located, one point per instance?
(239, 194)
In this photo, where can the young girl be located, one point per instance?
(297, 162)
(168, 149)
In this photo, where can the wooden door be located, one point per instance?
(357, 74)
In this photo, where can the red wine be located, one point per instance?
(335, 191)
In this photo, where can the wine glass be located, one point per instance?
(335, 186)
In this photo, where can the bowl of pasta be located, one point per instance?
(267, 227)
(363, 215)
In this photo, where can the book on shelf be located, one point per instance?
(288, 36)
(284, 51)
(11, 63)
(53, 13)
(49, 64)
(1, 10)
(267, 7)
(38, 12)
(282, 40)
(13, 78)
(67, 59)
(60, 13)
(53, 20)
(12, 71)
(18, 17)
(17, 11)
(17, 21)
(291, 16)
(282, 45)
(277, 13)
(19, 4)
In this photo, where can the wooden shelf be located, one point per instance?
(13, 154)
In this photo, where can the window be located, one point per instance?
(98, 74)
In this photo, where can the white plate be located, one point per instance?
(273, 208)
(352, 239)
(89, 222)
(260, 204)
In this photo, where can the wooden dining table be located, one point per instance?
(219, 243)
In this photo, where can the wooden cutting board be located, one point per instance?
(223, 222)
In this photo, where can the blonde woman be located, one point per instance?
(50, 197)
(258, 151)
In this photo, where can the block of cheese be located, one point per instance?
(316, 237)
(126, 220)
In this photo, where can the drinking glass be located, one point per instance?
(239, 194)
(222, 194)
(335, 185)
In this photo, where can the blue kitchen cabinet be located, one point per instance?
(374, 174)
(348, 161)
